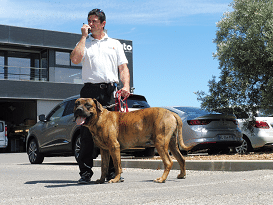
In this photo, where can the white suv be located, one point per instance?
(3, 135)
(260, 136)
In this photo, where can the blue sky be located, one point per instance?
(172, 40)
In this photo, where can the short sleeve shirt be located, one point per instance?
(101, 60)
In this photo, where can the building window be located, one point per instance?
(68, 75)
(62, 58)
(65, 70)
(2, 70)
(19, 68)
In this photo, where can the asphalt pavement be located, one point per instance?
(55, 182)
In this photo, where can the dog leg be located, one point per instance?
(173, 146)
(168, 163)
(105, 158)
(115, 154)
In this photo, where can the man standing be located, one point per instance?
(102, 58)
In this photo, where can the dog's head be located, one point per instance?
(86, 110)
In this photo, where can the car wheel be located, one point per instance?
(77, 147)
(245, 147)
(34, 155)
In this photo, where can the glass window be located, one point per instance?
(18, 68)
(135, 103)
(57, 112)
(2, 67)
(70, 107)
(1, 127)
(192, 112)
(68, 75)
(62, 58)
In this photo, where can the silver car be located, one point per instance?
(57, 134)
(213, 131)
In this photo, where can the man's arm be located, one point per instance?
(125, 79)
(78, 52)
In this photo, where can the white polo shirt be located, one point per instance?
(101, 60)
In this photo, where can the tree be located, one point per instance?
(244, 40)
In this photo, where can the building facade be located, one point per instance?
(36, 72)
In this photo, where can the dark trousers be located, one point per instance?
(104, 94)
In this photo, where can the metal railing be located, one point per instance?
(23, 73)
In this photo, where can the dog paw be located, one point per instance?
(159, 180)
(113, 181)
(181, 176)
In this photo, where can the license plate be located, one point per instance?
(226, 137)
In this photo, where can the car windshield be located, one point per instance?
(193, 112)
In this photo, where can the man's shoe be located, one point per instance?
(121, 179)
(85, 178)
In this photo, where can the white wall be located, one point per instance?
(45, 106)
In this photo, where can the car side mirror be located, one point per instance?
(42, 118)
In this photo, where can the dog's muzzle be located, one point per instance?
(79, 117)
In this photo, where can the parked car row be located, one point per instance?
(58, 135)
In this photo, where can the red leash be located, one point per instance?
(121, 105)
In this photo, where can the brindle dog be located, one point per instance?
(115, 131)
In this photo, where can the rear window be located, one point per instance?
(137, 103)
(243, 114)
(192, 112)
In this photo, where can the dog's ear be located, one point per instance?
(98, 105)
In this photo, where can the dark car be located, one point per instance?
(58, 135)
(214, 132)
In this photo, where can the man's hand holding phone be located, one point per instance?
(86, 29)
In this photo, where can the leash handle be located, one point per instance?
(121, 105)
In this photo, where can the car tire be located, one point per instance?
(77, 147)
(245, 147)
(34, 155)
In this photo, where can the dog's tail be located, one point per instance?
(179, 133)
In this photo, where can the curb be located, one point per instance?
(199, 165)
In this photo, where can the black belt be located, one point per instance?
(101, 85)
